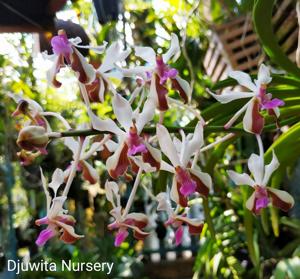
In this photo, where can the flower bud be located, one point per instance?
(33, 137)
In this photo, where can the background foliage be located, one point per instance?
(243, 246)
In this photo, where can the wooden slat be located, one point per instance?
(209, 53)
(249, 64)
(247, 51)
(240, 43)
(289, 23)
(213, 63)
(226, 36)
(281, 11)
(291, 42)
(219, 70)
(230, 24)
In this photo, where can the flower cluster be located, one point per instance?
(130, 151)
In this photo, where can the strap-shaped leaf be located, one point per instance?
(262, 18)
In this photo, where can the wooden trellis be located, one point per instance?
(235, 46)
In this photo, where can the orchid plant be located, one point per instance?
(133, 145)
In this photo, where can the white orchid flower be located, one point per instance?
(262, 194)
(130, 141)
(135, 221)
(253, 121)
(66, 53)
(195, 226)
(97, 89)
(156, 72)
(186, 180)
(89, 173)
(57, 221)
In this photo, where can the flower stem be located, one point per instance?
(176, 129)
(133, 192)
(208, 219)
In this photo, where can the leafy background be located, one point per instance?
(243, 246)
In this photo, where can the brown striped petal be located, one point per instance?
(175, 194)
(86, 72)
(53, 71)
(281, 199)
(203, 181)
(195, 226)
(152, 156)
(118, 163)
(253, 121)
(182, 87)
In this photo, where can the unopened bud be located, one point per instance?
(32, 138)
(22, 108)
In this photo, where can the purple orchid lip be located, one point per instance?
(179, 235)
(44, 236)
(120, 237)
(261, 198)
(135, 142)
(188, 186)
(60, 44)
(266, 100)
(164, 71)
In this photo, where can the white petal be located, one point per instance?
(45, 187)
(166, 167)
(146, 115)
(243, 79)
(114, 54)
(57, 180)
(263, 76)
(57, 206)
(174, 195)
(163, 202)
(146, 53)
(178, 144)
(240, 178)
(112, 192)
(71, 144)
(228, 96)
(250, 202)
(270, 168)
(137, 71)
(174, 49)
(256, 167)
(111, 145)
(146, 167)
(123, 111)
(106, 125)
(194, 144)
(166, 144)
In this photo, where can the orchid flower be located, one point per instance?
(262, 194)
(129, 139)
(57, 221)
(157, 72)
(253, 121)
(66, 53)
(195, 226)
(135, 221)
(89, 173)
(186, 180)
(101, 84)
(31, 109)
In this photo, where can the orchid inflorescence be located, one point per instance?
(133, 152)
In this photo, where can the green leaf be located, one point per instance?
(262, 18)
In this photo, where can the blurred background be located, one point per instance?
(216, 36)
